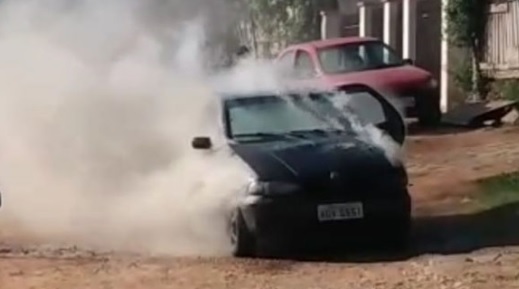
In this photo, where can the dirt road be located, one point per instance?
(453, 251)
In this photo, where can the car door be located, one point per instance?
(374, 107)
(359, 104)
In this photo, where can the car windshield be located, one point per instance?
(357, 57)
(269, 116)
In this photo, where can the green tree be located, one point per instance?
(284, 21)
(466, 25)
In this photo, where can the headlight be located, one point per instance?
(272, 188)
(432, 83)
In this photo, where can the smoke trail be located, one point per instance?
(99, 102)
(97, 112)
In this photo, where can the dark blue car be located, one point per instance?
(317, 179)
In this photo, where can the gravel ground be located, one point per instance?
(451, 249)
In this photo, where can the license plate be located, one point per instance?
(334, 212)
(408, 101)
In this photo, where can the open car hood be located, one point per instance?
(312, 159)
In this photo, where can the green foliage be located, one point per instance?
(504, 89)
(462, 75)
(285, 21)
(466, 21)
(466, 25)
(499, 190)
(510, 90)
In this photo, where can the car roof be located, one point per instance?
(291, 90)
(269, 93)
(333, 42)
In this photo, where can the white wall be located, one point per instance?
(348, 6)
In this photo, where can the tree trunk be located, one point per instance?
(477, 93)
(253, 33)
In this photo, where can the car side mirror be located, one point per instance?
(201, 143)
(408, 61)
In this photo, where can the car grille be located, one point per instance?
(355, 186)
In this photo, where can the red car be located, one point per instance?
(337, 62)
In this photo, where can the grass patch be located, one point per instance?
(504, 89)
(499, 190)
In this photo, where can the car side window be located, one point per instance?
(304, 65)
(287, 60)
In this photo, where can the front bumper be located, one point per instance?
(293, 220)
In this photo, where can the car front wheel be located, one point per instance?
(399, 234)
(242, 240)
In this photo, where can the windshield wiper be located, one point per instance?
(268, 135)
(311, 131)
(321, 132)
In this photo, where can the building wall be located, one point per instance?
(349, 17)
(429, 36)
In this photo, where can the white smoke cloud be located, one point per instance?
(97, 114)
(99, 101)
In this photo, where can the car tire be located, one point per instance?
(243, 241)
(400, 235)
(428, 111)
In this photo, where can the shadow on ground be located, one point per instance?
(414, 129)
(453, 234)
(456, 234)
